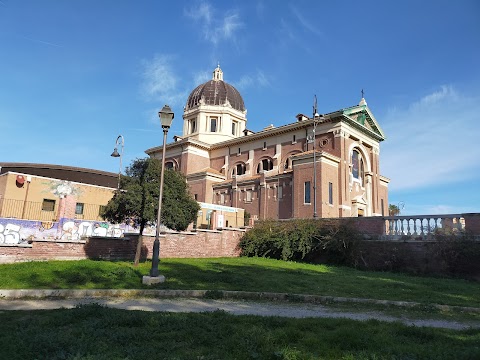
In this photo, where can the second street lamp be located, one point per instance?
(166, 117)
(115, 153)
(315, 115)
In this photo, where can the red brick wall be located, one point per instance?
(302, 173)
(177, 245)
(472, 223)
(199, 245)
(370, 226)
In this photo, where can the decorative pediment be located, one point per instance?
(359, 199)
(361, 116)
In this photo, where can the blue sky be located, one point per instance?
(76, 74)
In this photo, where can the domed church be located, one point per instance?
(321, 166)
(214, 112)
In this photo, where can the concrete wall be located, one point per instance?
(26, 199)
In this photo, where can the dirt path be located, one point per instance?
(233, 307)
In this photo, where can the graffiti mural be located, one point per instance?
(9, 234)
(15, 231)
(62, 188)
(75, 230)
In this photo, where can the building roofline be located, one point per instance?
(56, 167)
(338, 115)
(277, 130)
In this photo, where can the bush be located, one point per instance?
(330, 240)
(458, 253)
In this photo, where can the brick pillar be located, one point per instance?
(61, 208)
(213, 220)
(472, 223)
(70, 204)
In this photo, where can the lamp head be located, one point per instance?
(166, 116)
(115, 153)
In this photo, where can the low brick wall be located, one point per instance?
(370, 227)
(420, 257)
(42, 250)
(202, 243)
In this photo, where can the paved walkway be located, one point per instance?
(236, 307)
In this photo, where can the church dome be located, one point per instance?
(215, 92)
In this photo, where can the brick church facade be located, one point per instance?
(271, 173)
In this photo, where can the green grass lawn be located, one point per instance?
(93, 332)
(243, 274)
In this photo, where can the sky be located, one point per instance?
(74, 75)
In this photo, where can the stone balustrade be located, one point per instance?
(421, 227)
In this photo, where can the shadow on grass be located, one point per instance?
(95, 274)
(241, 274)
(336, 281)
(95, 332)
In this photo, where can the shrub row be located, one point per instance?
(336, 241)
(330, 240)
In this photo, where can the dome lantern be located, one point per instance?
(215, 92)
(218, 73)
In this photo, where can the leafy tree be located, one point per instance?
(393, 210)
(137, 200)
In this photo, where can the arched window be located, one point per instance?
(239, 169)
(358, 167)
(193, 126)
(288, 161)
(264, 165)
(213, 124)
(170, 165)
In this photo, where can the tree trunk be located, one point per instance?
(138, 253)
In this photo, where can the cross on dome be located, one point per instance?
(218, 73)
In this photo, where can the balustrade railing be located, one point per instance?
(421, 227)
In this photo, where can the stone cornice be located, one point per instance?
(180, 143)
(278, 130)
(384, 179)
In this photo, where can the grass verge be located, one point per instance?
(93, 332)
(242, 274)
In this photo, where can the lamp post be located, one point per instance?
(315, 115)
(166, 117)
(115, 153)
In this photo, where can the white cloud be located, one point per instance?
(260, 9)
(160, 83)
(215, 28)
(202, 12)
(262, 78)
(38, 41)
(445, 93)
(259, 79)
(201, 77)
(305, 23)
(286, 30)
(432, 141)
(287, 36)
(415, 209)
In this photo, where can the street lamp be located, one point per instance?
(166, 117)
(115, 153)
(315, 115)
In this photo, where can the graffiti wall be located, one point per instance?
(16, 231)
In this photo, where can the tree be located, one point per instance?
(137, 200)
(393, 210)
